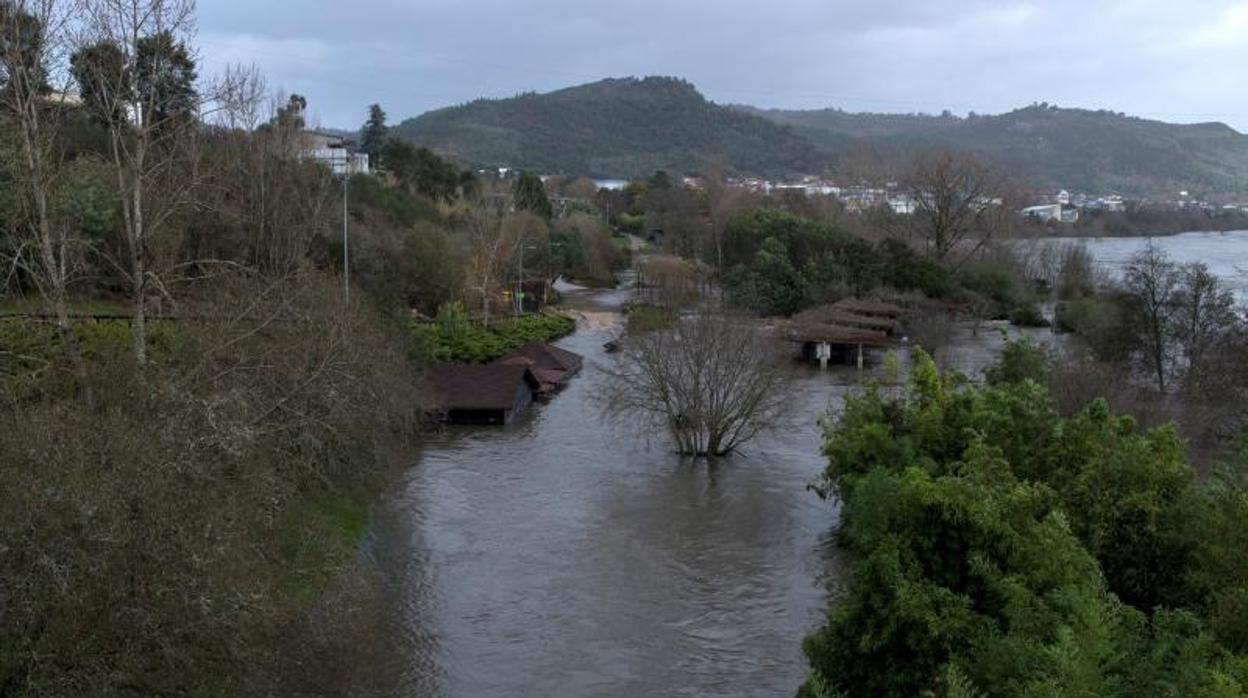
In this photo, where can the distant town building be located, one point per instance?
(1051, 212)
(611, 184)
(1044, 212)
(901, 205)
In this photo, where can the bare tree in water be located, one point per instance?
(712, 382)
(1152, 280)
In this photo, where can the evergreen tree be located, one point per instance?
(530, 195)
(103, 80)
(291, 115)
(21, 46)
(165, 76)
(160, 80)
(373, 134)
(659, 180)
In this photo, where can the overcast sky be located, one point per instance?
(1172, 60)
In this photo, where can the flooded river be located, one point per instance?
(563, 557)
(1225, 253)
(560, 556)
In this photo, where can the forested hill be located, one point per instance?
(1077, 149)
(630, 127)
(614, 128)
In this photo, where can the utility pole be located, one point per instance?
(346, 259)
(520, 282)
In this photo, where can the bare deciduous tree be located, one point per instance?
(33, 41)
(713, 383)
(957, 198)
(1152, 279)
(267, 195)
(153, 125)
(1204, 314)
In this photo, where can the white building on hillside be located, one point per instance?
(335, 152)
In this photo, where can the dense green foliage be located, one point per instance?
(777, 263)
(584, 250)
(1002, 549)
(624, 127)
(419, 171)
(453, 337)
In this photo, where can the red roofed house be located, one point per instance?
(475, 394)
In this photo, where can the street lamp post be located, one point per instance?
(346, 258)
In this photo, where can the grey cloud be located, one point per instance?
(1176, 61)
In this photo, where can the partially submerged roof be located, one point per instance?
(834, 334)
(546, 358)
(479, 387)
(837, 315)
(862, 306)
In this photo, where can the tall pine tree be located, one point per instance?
(373, 134)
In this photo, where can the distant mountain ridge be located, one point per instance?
(628, 127)
(613, 128)
(1078, 149)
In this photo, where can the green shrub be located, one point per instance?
(645, 317)
(906, 270)
(1101, 323)
(459, 341)
(992, 281)
(1022, 359)
(1028, 315)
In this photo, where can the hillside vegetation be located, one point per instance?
(630, 127)
(613, 128)
(1075, 149)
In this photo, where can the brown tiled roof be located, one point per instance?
(478, 387)
(863, 306)
(836, 315)
(546, 357)
(834, 334)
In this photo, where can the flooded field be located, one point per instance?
(561, 556)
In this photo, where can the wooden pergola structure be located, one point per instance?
(845, 328)
(821, 341)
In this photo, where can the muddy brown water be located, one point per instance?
(561, 556)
